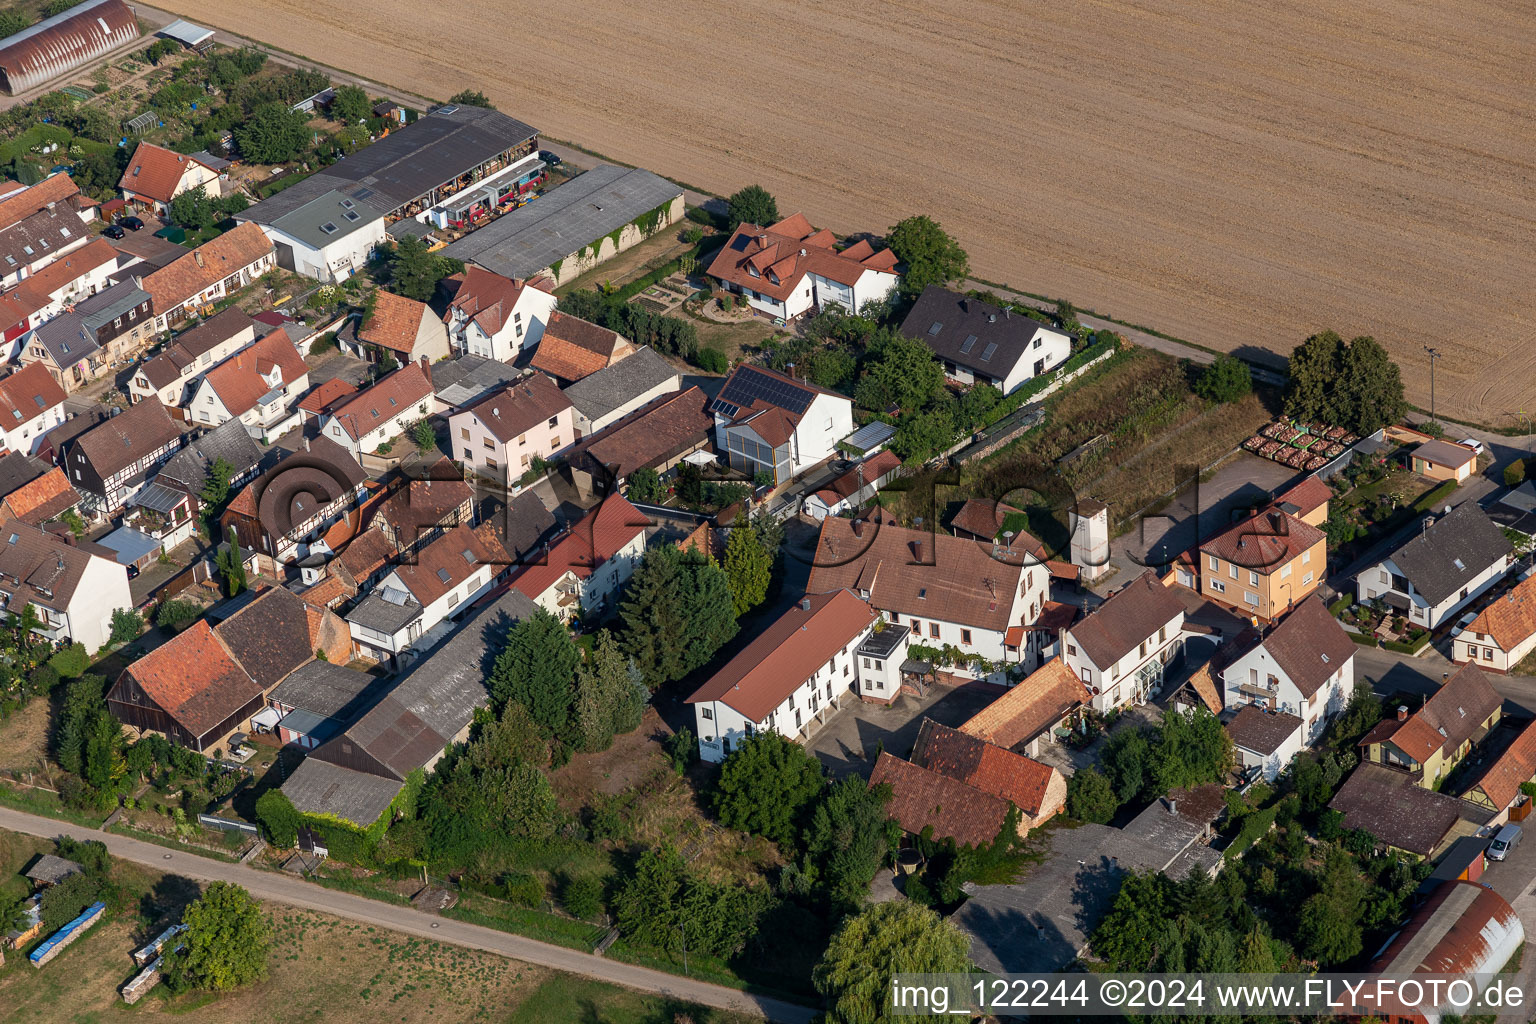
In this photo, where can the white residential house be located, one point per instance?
(381, 413)
(31, 404)
(406, 605)
(155, 176)
(1502, 633)
(584, 568)
(977, 341)
(943, 590)
(1122, 648)
(328, 237)
(789, 269)
(496, 317)
(74, 591)
(1442, 570)
(1305, 666)
(260, 386)
(171, 374)
(765, 421)
(788, 680)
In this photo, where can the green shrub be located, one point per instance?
(100, 87)
(177, 612)
(582, 896)
(523, 889)
(1514, 473)
(712, 360)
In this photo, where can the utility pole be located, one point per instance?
(1433, 355)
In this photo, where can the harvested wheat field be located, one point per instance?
(1237, 174)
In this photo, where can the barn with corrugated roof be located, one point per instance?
(58, 45)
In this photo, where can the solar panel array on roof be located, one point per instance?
(748, 385)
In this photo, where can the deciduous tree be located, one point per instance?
(1090, 797)
(278, 818)
(767, 786)
(849, 835)
(225, 944)
(930, 255)
(753, 205)
(899, 937)
(470, 98)
(350, 104)
(1225, 380)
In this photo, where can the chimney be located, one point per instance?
(1402, 712)
(805, 604)
(426, 368)
(306, 442)
(197, 254)
(1277, 521)
(1173, 806)
(917, 551)
(858, 527)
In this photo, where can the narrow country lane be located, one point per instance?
(296, 892)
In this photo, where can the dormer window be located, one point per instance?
(753, 270)
(773, 277)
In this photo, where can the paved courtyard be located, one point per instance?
(852, 738)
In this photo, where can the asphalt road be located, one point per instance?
(296, 892)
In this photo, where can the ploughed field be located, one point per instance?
(1235, 174)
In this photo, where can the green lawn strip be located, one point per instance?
(37, 801)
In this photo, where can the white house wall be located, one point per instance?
(1112, 688)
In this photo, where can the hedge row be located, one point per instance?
(1254, 826)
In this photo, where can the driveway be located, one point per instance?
(282, 888)
(853, 737)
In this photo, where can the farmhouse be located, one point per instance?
(1503, 633)
(290, 505)
(977, 341)
(585, 567)
(1122, 649)
(357, 774)
(1037, 790)
(110, 462)
(31, 404)
(789, 269)
(78, 346)
(950, 594)
(259, 386)
(575, 227)
(658, 436)
(376, 415)
(573, 348)
(1046, 707)
(496, 317)
(1264, 565)
(789, 679)
(767, 422)
(1404, 816)
(169, 374)
(615, 391)
(56, 46)
(155, 175)
(316, 702)
(408, 330)
(328, 237)
(1442, 570)
(501, 435)
(75, 591)
(215, 269)
(1426, 745)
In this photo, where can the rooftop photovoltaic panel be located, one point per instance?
(749, 385)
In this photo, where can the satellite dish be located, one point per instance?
(1447, 510)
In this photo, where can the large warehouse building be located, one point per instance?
(56, 46)
(573, 228)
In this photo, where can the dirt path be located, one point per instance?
(293, 891)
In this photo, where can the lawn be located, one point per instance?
(565, 999)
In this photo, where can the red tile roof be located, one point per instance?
(1501, 782)
(242, 378)
(448, 561)
(27, 394)
(916, 573)
(1509, 618)
(773, 260)
(194, 679)
(154, 172)
(395, 322)
(42, 499)
(1308, 496)
(366, 554)
(652, 434)
(595, 538)
(521, 406)
(172, 285)
(1264, 541)
(22, 203)
(787, 653)
(990, 768)
(1448, 718)
(1041, 700)
(39, 290)
(368, 409)
(572, 348)
(329, 393)
(922, 799)
(488, 299)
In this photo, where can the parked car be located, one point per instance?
(1507, 839)
(1476, 446)
(131, 223)
(114, 231)
(549, 158)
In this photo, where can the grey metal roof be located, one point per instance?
(324, 688)
(328, 217)
(185, 32)
(870, 435)
(600, 393)
(307, 723)
(434, 150)
(464, 381)
(319, 787)
(408, 228)
(66, 339)
(228, 441)
(207, 159)
(110, 303)
(384, 616)
(527, 240)
(130, 545)
(1444, 558)
(158, 498)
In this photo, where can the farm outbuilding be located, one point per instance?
(193, 37)
(56, 46)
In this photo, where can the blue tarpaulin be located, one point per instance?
(59, 936)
